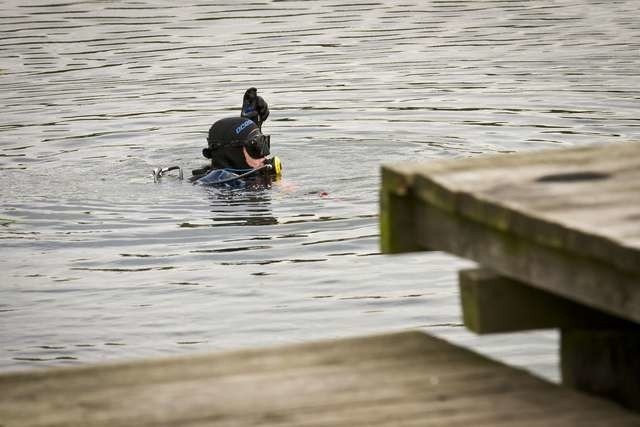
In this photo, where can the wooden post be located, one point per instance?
(397, 214)
(605, 362)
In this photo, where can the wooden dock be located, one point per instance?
(405, 379)
(557, 237)
(567, 221)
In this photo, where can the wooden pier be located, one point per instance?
(406, 379)
(557, 237)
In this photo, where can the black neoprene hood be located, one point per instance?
(232, 130)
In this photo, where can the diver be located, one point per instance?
(238, 150)
(254, 107)
(237, 145)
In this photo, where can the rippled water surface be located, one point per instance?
(99, 263)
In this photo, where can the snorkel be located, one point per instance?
(251, 94)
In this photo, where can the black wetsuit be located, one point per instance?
(256, 110)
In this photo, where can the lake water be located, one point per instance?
(98, 263)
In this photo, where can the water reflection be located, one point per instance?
(254, 200)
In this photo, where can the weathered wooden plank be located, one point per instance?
(578, 278)
(603, 362)
(511, 193)
(492, 304)
(398, 379)
(506, 212)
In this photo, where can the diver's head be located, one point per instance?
(251, 94)
(236, 143)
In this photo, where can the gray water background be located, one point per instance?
(98, 263)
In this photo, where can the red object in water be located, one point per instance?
(323, 194)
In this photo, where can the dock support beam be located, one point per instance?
(492, 303)
(599, 353)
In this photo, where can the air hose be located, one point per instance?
(235, 177)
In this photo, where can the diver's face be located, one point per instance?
(252, 96)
